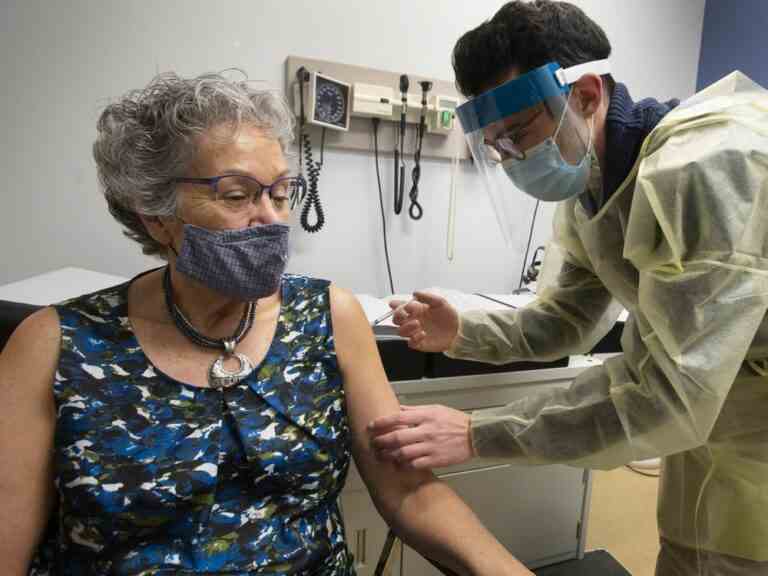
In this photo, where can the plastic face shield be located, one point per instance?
(503, 124)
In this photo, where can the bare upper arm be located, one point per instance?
(27, 422)
(368, 396)
(365, 382)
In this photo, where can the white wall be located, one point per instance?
(60, 62)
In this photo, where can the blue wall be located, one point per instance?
(734, 38)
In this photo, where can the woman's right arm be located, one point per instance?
(27, 421)
(424, 511)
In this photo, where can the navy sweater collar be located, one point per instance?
(627, 124)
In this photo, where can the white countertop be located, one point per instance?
(57, 285)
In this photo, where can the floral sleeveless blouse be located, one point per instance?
(155, 476)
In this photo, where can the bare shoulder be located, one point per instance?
(367, 390)
(41, 327)
(342, 299)
(32, 351)
(346, 310)
(351, 331)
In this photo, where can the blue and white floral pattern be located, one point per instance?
(155, 476)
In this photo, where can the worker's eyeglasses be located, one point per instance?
(507, 145)
(236, 192)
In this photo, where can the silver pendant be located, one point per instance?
(220, 377)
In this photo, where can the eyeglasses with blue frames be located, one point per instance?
(508, 144)
(237, 191)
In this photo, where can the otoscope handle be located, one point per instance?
(402, 183)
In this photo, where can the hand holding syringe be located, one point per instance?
(428, 321)
(395, 305)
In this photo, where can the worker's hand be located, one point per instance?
(428, 321)
(423, 437)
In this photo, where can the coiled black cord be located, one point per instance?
(527, 248)
(313, 195)
(415, 211)
(313, 168)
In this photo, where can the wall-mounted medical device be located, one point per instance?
(374, 101)
(344, 100)
(409, 118)
(442, 120)
(326, 101)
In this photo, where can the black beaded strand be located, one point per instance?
(186, 328)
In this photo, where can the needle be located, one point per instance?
(381, 319)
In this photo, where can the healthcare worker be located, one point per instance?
(663, 209)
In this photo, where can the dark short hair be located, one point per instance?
(526, 35)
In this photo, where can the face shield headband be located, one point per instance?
(539, 85)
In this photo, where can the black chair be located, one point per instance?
(386, 551)
(11, 315)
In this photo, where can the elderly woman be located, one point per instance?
(200, 418)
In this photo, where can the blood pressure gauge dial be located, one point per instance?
(331, 102)
(327, 101)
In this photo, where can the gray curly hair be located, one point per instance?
(149, 137)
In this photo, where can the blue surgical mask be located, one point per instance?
(544, 173)
(246, 264)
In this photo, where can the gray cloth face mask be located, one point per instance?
(246, 264)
